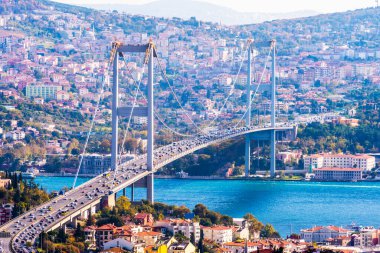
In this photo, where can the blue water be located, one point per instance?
(289, 206)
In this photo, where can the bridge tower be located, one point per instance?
(273, 113)
(248, 115)
(271, 136)
(150, 53)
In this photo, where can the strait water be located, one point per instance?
(289, 206)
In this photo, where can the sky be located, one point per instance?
(277, 6)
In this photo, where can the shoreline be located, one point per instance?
(206, 178)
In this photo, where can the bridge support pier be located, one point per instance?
(108, 201)
(247, 155)
(124, 193)
(273, 153)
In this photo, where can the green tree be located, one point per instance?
(123, 204)
(62, 236)
(200, 242)
(254, 225)
(200, 210)
(269, 232)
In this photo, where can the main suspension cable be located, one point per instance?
(155, 113)
(257, 88)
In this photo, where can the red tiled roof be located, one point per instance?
(241, 244)
(107, 227)
(218, 228)
(150, 233)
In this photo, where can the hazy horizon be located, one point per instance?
(269, 6)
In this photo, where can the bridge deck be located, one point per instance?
(49, 215)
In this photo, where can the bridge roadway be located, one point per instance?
(87, 197)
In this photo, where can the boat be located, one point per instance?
(29, 173)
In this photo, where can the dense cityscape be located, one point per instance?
(57, 110)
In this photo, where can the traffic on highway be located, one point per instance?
(25, 230)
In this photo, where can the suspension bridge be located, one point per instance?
(22, 233)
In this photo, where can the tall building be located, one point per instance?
(44, 91)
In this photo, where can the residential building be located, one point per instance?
(144, 219)
(4, 183)
(62, 95)
(149, 237)
(239, 247)
(289, 156)
(186, 247)
(89, 235)
(15, 135)
(38, 100)
(218, 234)
(104, 234)
(321, 233)
(187, 227)
(5, 213)
(140, 120)
(368, 237)
(44, 91)
(118, 243)
(98, 164)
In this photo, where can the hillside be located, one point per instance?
(204, 11)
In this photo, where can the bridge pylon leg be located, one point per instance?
(150, 146)
(133, 192)
(247, 155)
(115, 117)
(273, 153)
(150, 188)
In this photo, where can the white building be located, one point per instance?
(123, 244)
(140, 120)
(321, 234)
(368, 237)
(239, 247)
(15, 135)
(363, 162)
(218, 234)
(338, 174)
(187, 227)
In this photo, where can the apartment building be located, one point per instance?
(187, 227)
(104, 234)
(44, 91)
(218, 234)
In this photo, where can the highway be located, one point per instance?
(49, 216)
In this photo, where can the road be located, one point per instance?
(27, 227)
